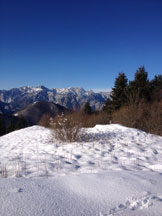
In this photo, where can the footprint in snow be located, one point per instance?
(155, 151)
(16, 190)
(20, 190)
(91, 163)
(133, 204)
(78, 156)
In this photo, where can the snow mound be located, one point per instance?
(118, 171)
(31, 152)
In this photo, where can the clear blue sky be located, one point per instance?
(85, 43)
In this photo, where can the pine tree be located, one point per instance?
(21, 123)
(108, 107)
(156, 88)
(139, 88)
(11, 126)
(118, 95)
(87, 109)
(2, 127)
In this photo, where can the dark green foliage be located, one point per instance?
(16, 124)
(138, 104)
(156, 88)
(156, 83)
(118, 95)
(21, 123)
(108, 106)
(141, 77)
(87, 109)
(139, 88)
(2, 127)
(11, 126)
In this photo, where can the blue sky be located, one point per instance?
(83, 43)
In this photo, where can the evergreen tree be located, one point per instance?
(156, 82)
(21, 123)
(11, 126)
(2, 127)
(87, 109)
(118, 95)
(139, 88)
(156, 87)
(108, 107)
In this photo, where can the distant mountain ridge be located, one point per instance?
(34, 112)
(72, 98)
(5, 108)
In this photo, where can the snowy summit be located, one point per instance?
(116, 171)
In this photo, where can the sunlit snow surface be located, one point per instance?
(109, 147)
(114, 170)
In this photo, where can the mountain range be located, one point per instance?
(34, 112)
(16, 99)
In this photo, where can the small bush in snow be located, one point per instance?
(67, 128)
(4, 172)
(45, 121)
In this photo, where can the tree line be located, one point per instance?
(134, 92)
(137, 103)
(10, 123)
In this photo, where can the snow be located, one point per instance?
(114, 170)
(37, 89)
(112, 193)
(70, 90)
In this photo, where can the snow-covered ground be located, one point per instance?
(116, 171)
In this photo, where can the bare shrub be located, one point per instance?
(154, 120)
(4, 171)
(96, 118)
(45, 120)
(144, 116)
(67, 128)
(18, 170)
(126, 115)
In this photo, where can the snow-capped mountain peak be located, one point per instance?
(71, 97)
